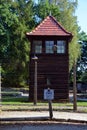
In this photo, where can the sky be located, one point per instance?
(81, 15)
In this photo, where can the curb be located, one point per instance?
(42, 119)
(25, 119)
(71, 121)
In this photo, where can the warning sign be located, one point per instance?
(49, 94)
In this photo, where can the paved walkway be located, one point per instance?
(43, 115)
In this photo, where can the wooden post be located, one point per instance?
(74, 88)
(35, 58)
(35, 84)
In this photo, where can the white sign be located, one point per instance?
(49, 94)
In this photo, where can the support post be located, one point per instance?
(35, 58)
(50, 109)
(74, 88)
(35, 84)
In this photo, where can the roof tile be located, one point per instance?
(49, 27)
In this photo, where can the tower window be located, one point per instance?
(37, 47)
(49, 46)
(60, 46)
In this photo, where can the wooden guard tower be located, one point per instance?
(49, 42)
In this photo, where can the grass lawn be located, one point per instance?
(14, 100)
(22, 104)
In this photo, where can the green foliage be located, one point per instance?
(84, 77)
(15, 18)
(82, 36)
(82, 62)
(44, 8)
(7, 19)
(69, 21)
(83, 59)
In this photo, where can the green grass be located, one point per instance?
(82, 104)
(14, 100)
(21, 100)
(22, 104)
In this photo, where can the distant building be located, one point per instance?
(50, 42)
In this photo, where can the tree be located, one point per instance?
(84, 77)
(70, 23)
(7, 20)
(15, 18)
(82, 62)
(69, 20)
(44, 8)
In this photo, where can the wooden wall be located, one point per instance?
(56, 68)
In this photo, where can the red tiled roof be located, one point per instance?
(49, 27)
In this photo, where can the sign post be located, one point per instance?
(49, 95)
(50, 109)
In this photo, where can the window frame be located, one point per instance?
(49, 46)
(61, 46)
(37, 47)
